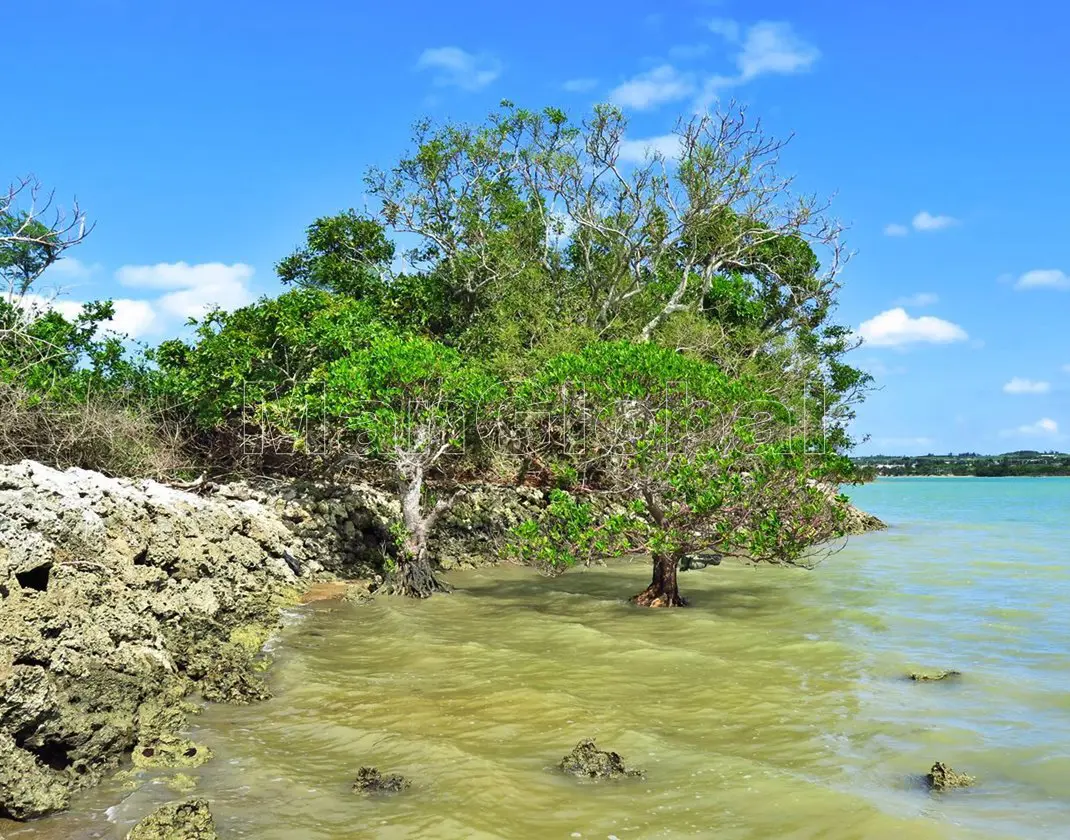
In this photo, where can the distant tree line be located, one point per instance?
(1020, 463)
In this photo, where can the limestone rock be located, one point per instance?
(189, 820)
(941, 777)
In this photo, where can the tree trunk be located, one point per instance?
(663, 590)
(414, 577)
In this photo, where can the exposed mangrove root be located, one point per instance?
(415, 579)
(587, 761)
(663, 590)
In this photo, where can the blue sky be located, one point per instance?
(202, 138)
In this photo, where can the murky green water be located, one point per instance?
(773, 708)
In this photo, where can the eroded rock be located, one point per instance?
(170, 751)
(587, 761)
(117, 598)
(189, 820)
(941, 777)
(370, 780)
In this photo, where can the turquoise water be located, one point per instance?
(973, 575)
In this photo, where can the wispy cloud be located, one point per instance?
(919, 300)
(1043, 278)
(1018, 385)
(580, 85)
(895, 328)
(454, 67)
(655, 87)
(764, 48)
(1045, 427)
(71, 269)
(926, 222)
(923, 222)
(637, 151)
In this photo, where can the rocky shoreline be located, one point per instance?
(121, 598)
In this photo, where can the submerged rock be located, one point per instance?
(181, 783)
(934, 676)
(370, 780)
(942, 777)
(189, 820)
(586, 760)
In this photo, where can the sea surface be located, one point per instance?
(774, 707)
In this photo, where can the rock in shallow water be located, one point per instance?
(370, 780)
(189, 820)
(942, 777)
(934, 676)
(587, 761)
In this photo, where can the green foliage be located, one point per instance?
(27, 248)
(568, 532)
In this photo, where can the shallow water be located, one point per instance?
(773, 708)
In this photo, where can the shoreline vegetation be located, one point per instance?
(1023, 463)
(584, 356)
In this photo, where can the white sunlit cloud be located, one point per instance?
(133, 318)
(1045, 427)
(192, 290)
(764, 48)
(655, 87)
(918, 300)
(454, 67)
(923, 222)
(895, 328)
(1018, 385)
(1043, 278)
(926, 222)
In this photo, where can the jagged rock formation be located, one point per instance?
(117, 598)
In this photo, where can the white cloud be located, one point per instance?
(774, 48)
(580, 85)
(192, 290)
(657, 86)
(454, 67)
(1018, 385)
(135, 318)
(765, 48)
(1066, 368)
(927, 222)
(895, 328)
(918, 300)
(1043, 278)
(896, 230)
(1045, 427)
(638, 151)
